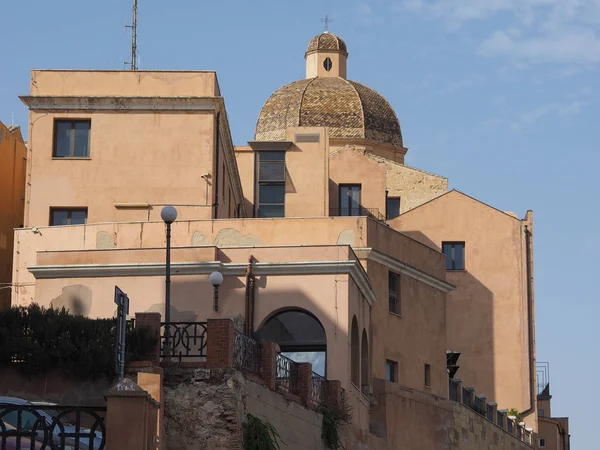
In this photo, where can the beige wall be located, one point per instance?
(487, 314)
(13, 162)
(349, 167)
(141, 153)
(245, 158)
(315, 64)
(556, 433)
(98, 83)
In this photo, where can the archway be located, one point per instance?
(300, 336)
(354, 353)
(364, 361)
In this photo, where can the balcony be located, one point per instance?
(357, 211)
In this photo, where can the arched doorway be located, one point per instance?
(300, 336)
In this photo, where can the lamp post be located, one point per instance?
(168, 215)
(216, 279)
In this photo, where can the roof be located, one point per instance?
(349, 109)
(515, 217)
(328, 42)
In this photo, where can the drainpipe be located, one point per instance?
(530, 324)
(216, 172)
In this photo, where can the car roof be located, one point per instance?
(14, 401)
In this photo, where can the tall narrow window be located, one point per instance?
(354, 353)
(68, 216)
(455, 255)
(350, 200)
(271, 184)
(394, 292)
(364, 363)
(327, 64)
(392, 207)
(427, 375)
(391, 370)
(72, 138)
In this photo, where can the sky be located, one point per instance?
(498, 95)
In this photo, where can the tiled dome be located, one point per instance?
(349, 109)
(327, 42)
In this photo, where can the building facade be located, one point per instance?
(341, 236)
(13, 164)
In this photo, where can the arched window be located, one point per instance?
(300, 336)
(364, 361)
(354, 352)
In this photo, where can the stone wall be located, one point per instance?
(418, 420)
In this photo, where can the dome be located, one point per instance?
(327, 42)
(349, 109)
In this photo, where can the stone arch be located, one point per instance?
(299, 334)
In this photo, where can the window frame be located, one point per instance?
(394, 372)
(427, 373)
(278, 183)
(387, 209)
(349, 209)
(540, 442)
(73, 121)
(70, 211)
(464, 258)
(396, 294)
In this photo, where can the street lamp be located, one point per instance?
(216, 279)
(168, 214)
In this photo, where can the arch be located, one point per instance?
(364, 360)
(299, 334)
(354, 353)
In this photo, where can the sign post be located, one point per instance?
(122, 302)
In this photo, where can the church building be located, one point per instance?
(371, 270)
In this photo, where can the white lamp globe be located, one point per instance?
(168, 214)
(216, 278)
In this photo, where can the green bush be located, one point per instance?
(42, 340)
(259, 435)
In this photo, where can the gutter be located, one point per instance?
(529, 270)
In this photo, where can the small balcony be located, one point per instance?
(357, 211)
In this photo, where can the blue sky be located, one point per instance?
(498, 95)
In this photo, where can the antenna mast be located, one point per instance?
(133, 27)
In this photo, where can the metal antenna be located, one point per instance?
(326, 21)
(133, 27)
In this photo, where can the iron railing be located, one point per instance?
(500, 419)
(319, 389)
(286, 374)
(51, 427)
(478, 405)
(453, 390)
(186, 340)
(467, 397)
(246, 353)
(490, 413)
(510, 425)
(359, 211)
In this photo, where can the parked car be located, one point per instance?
(29, 420)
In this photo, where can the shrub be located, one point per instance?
(41, 340)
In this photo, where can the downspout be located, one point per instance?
(532, 397)
(216, 177)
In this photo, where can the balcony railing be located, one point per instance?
(185, 340)
(246, 353)
(453, 390)
(319, 389)
(52, 427)
(358, 211)
(286, 374)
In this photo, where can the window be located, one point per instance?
(541, 412)
(542, 442)
(392, 207)
(455, 255)
(327, 64)
(68, 216)
(72, 138)
(354, 353)
(271, 184)
(391, 371)
(394, 292)
(350, 200)
(427, 375)
(364, 363)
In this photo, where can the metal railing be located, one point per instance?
(186, 340)
(358, 211)
(500, 419)
(246, 353)
(319, 389)
(467, 397)
(490, 413)
(286, 374)
(478, 405)
(52, 427)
